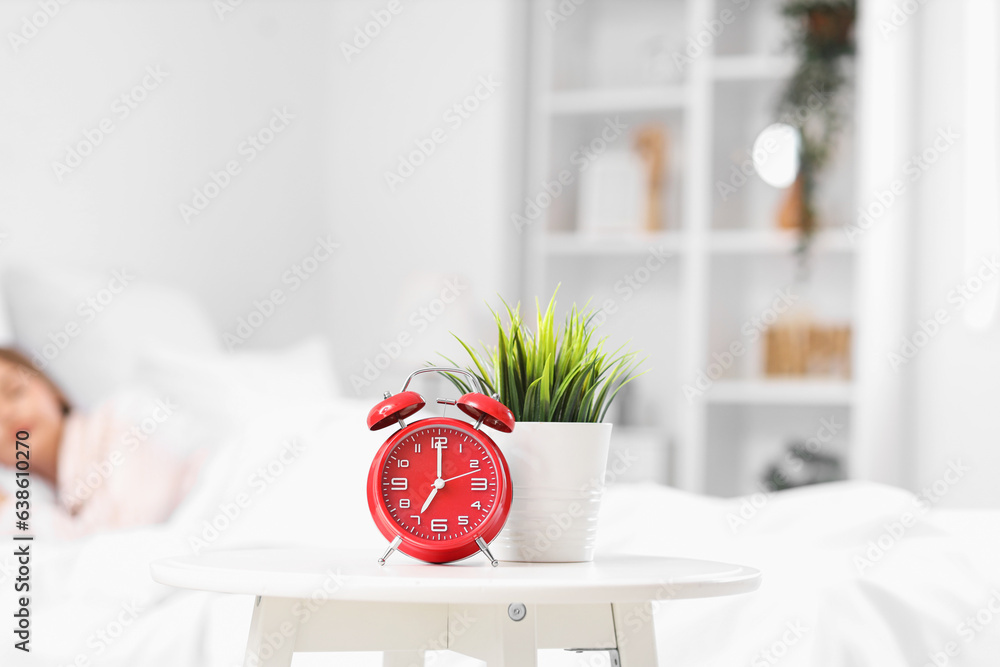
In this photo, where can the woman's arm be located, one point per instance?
(144, 483)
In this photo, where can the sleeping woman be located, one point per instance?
(88, 472)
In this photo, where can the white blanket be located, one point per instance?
(843, 585)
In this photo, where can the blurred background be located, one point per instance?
(814, 306)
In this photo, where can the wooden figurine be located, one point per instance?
(651, 143)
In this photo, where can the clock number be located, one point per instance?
(398, 483)
(463, 521)
(416, 448)
(404, 503)
(478, 505)
(479, 483)
(439, 442)
(403, 463)
(474, 463)
(417, 517)
(439, 525)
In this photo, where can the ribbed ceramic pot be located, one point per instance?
(557, 471)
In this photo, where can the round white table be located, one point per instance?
(313, 600)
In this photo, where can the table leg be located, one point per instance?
(403, 659)
(635, 634)
(272, 633)
(489, 633)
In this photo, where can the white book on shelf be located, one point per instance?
(612, 194)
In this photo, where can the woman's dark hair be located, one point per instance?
(25, 365)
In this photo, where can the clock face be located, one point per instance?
(439, 484)
(446, 509)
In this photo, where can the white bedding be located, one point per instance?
(815, 606)
(819, 604)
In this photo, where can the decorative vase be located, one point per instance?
(830, 27)
(557, 471)
(790, 214)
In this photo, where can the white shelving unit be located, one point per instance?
(603, 244)
(773, 241)
(682, 293)
(751, 67)
(781, 392)
(622, 100)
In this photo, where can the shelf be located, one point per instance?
(671, 243)
(781, 392)
(720, 241)
(752, 68)
(774, 241)
(611, 100)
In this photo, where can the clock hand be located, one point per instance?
(427, 503)
(438, 485)
(439, 448)
(462, 475)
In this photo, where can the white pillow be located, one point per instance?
(87, 330)
(222, 390)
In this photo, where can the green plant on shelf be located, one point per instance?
(822, 37)
(551, 374)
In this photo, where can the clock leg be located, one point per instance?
(272, 634)
(403, 659)
(392, 547)
(635, 634)
(481, 543)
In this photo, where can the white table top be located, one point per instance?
(355, 575)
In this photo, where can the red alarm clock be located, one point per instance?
(439, 489)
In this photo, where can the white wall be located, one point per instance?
(447, 221)
(120, 207)
(956, 394)
(927, 415)
(322, 175)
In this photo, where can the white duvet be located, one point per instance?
(832, 596)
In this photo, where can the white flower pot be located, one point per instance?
(557, 470)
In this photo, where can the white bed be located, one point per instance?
(94, 603)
